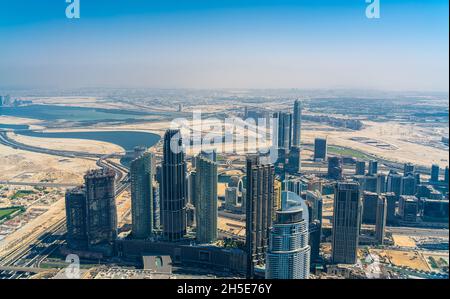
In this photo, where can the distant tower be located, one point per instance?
(434, 173)
(394, 183)
(335, 168)
(101, 207)
(408, 186)
(173, 187)
(76, 211)
(284, 131)
(346, 222)
(408, 168)
(295, 163)
(206, 209)
(446, 178)
(370, 201)
(288, 254)
(297, 124)
(373, 167)
(320, 149)
(380, 224)
(259, 205)
(360, 168)
(142, 204)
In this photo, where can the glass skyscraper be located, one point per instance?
(288, 254)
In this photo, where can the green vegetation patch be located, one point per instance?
(348, 152)
(22, 193)
(5, 213)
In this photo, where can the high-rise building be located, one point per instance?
(408, 169)
(206, 209)
(297, 124)
(408, 207)
(284, 130)
(380, 224)
(101, 224)
(434, 175)
(446, 178)
(277, 189)
(370, 201)
(288, 253)
(408, 185)
(381, 183)
(156, 206)
(320, 149)
(173, 187)
(360, 168)
(370, 183)
(294, 161)
(293, 184)
(259, 205)
(373, 167)
(335, 168)
(391, 202)
(142, 196)
(315, 234)
(394, 183)
(314, 199)
(76, 211)
(191, 187)
(346, 222)
(231, 198)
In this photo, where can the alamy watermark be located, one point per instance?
(73, 9)
(230, 136)
(373, 9)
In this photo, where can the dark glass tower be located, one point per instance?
(259, 205)
(346, 222)
(320, 149)
(297, 124)
(173, 187)
(76, 218)
(142, 205)
(101, 207)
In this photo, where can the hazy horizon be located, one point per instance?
(235, 44)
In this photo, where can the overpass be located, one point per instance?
(26, 269)
(38, 184)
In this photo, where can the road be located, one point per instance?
(31, 252)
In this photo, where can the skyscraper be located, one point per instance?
(446, 177)
(408, 168)
(335, 168)
(101, 224)
(284, 130)
(142, 205)
(408, 185)
(391, 200)
(346, 222)
(381, 183)
(360, 167)
(320, 149)
(206, 199)
(380, 224)
(259, 205)
(394, 183)
(173, 187)
(76, 210)
(434, 173)
(294, 164)
(297, 124)
(288, 253)
(373, 167)
(370, 201)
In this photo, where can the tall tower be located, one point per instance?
(297, 123)
(284, 131)
(142, 204)
(380, 224)
(259, 205)
(206, 190)
(288, 254)
(173, 187)
(346, 222)
(76, 211)
(101, 216)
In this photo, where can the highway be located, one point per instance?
(33, 251)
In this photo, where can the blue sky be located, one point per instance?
(225, 44)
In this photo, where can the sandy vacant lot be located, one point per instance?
(403, 241)
(411, 259)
